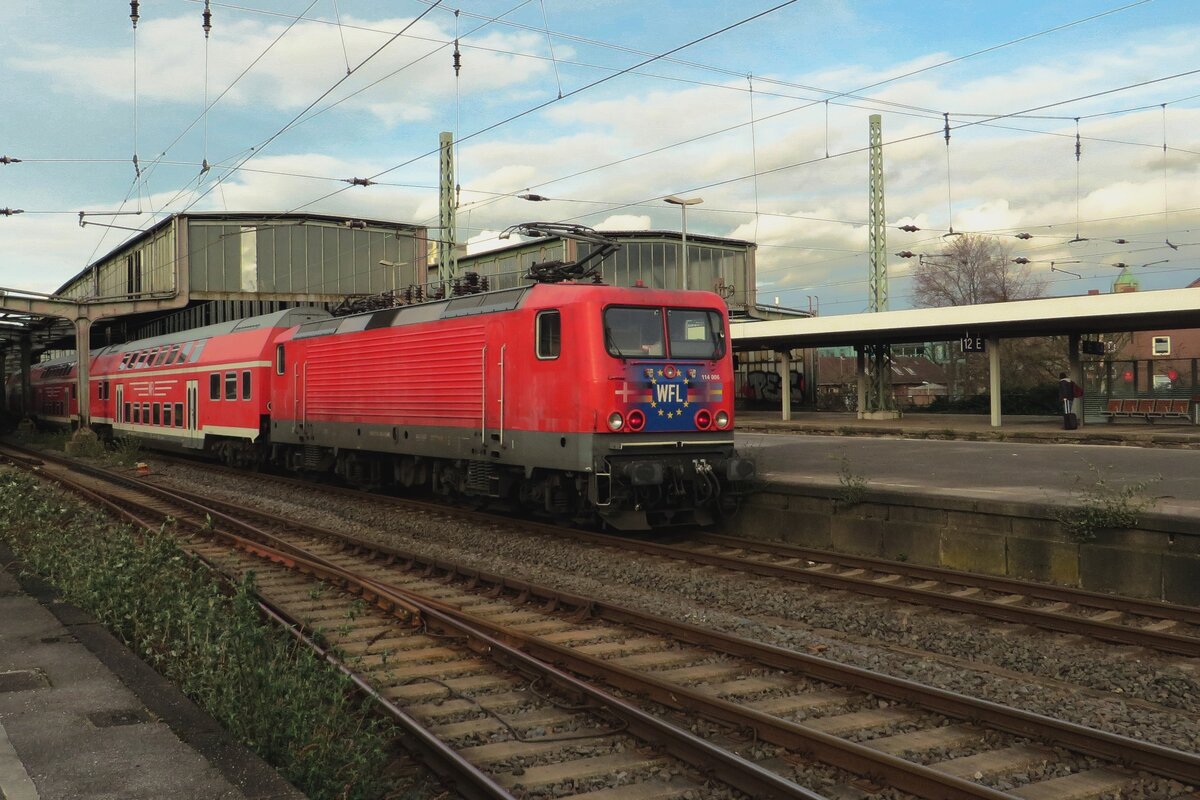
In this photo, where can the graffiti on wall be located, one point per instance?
(764, 385)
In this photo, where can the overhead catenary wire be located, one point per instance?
(550, 45)
(259, 147)
(756, 172)
(573, 92)
(206, 25)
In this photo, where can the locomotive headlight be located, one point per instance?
(722, 420)
(615, 421)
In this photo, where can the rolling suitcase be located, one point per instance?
(1070, 421)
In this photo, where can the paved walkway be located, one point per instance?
(81, 718)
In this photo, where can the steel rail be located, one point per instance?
(1107, 631)
(444, 760)
(688, 747)
(1042, 591)
(1164, 641)
(1133, 753)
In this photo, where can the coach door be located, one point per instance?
(119, 412)
(193, 392)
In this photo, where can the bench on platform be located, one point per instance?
(1147, 408)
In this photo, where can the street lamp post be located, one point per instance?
(683, 203)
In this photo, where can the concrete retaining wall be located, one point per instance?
(1160, 560)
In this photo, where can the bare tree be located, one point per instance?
(971, 269)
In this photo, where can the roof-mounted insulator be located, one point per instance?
(359, 181)
(8, 212)
(457, 59)
(207, 17)
(6, 160)
(133, 12)
(356, 224)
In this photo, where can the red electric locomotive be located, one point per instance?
(573, 399)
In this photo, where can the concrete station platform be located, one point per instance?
(978, 427)
(81, 718)
(952, 491)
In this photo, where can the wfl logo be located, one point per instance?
(669, 398)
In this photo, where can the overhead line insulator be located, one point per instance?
(8, 212)
(359, 181)
(207, 17)
(133, 13)
(9, 160)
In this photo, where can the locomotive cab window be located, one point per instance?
(696, 333)
(214, 386)
(634, 332)
(549, 335)
(280, 363)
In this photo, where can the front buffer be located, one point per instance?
(667, 458)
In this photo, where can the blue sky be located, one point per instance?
(608, 154)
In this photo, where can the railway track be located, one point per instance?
(891, 732)
(1161, 627)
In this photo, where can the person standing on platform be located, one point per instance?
(1067, 392)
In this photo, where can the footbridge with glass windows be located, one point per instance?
(979, 327)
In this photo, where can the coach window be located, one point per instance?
(166, 414)
(179, 415)
(145, 413)
(137, 413)
(549, 334)
(246, 384)
(231, 386)
(74, 389)
(157, 413)
(125, 359)
(280, 363)
(214, 386)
